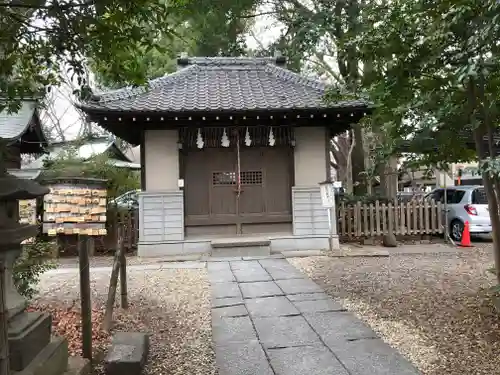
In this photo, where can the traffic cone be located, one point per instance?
(466, 236)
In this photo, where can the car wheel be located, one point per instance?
(456, 230)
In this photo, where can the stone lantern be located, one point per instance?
(32, 349)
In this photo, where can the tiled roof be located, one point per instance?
(221, 84)
(14, 125)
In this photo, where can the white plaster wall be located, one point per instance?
(310, 156)
(162, 160)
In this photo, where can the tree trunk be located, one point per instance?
(491, 186)
(358, 162)
(340, 146)
(388, 185)
(349, 179)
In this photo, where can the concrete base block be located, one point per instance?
(182, 250)
(128, 354)
(53, 359)
(250, 248)
(29, 334)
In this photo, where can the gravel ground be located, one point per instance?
(173, 305)
(433, 307)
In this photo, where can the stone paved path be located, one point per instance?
(270, 319)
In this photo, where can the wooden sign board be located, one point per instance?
(75, 207)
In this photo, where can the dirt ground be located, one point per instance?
(171, 304)
(434, 307)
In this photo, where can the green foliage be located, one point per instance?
(118, 180)
(200, 28)
(39, 39)
(35, 259)
(440, 64)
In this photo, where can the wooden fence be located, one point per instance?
(400, 218)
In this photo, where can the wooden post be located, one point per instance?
(83, 254)
(91, 246)
(123, 272)
(113, 282)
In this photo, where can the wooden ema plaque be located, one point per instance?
(75, 209)
(27, 215)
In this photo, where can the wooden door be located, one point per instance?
(266, 185)
(211, 194)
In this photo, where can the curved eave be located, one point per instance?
(102, 110)
(129, 125)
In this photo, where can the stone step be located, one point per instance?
(241, 247)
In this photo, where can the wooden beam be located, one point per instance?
(143, 161)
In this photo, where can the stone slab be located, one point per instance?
(242, 359)
(323, 305)
(277, 264)
(230, 311)
(312, 360)
(296, 286)
(246, 264)
(373, 357)
(225, 290)
(218, 266)
(308, 297)
(128, 354)
(221, 276)
(260, 289)
(270, 306)
(251, 275)
(226, 331)
(336, 328)
(271, 256)
(226, 302)
(280, 269)
(29, 333)
(278, 274)
(211, 259)
(285, 331)
(78, 366)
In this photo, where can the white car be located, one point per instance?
(464, 203)
(128, 200)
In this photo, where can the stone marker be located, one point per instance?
(128, 354)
